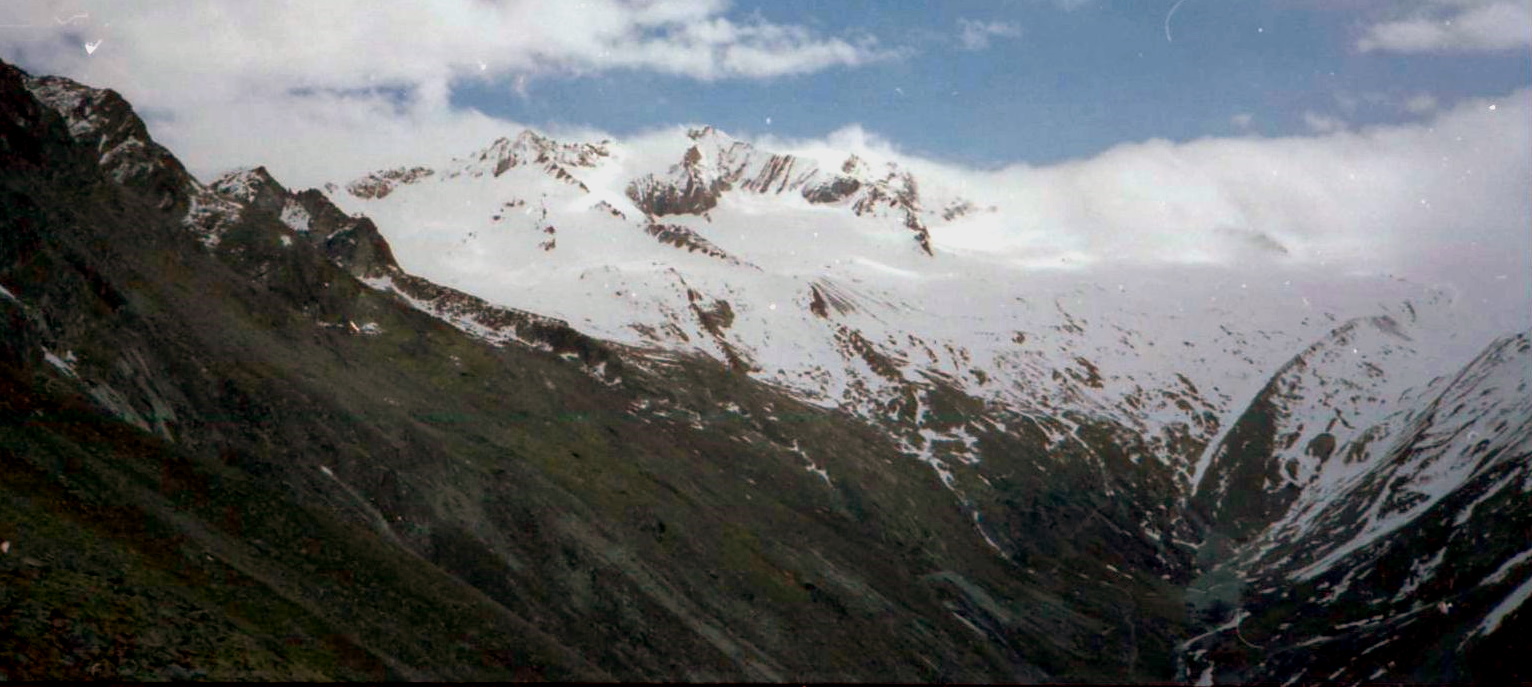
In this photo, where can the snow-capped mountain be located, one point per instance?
(701, 398)
(822, 276)
(1400, 549)
(1307, 425)
(1259, 397)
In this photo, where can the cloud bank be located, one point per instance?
(1441, 201)
(353, 75)
(1453, 26)
(974, 34)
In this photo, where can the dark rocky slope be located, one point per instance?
(207, 419)
(1407, 555)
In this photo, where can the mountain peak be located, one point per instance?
(381, 183)
(853, 165)
(531, 138)
(253, 186)
(532, 148)
(102, 119)
(701, 132)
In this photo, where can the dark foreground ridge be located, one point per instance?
(236, 448)
(208, 416)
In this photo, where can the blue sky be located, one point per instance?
(1068, 82)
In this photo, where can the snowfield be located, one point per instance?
(835, 301)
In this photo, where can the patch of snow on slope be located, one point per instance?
(209, 215)
(64, 364)
(1469, 425)
(1509, 605)
(295, 216)
(468, 326)
(1505, 568)
(1420, 571)
(810, 465)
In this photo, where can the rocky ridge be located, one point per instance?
(1402, 556)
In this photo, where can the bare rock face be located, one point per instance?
(896, 191)
(867, 193)
(380, 184)
(101, 119)
(692, 195)
(715, 164)
(352, 243)
(961, 208)
(530, 148)
(833, 191)
(690, 189)
(712, 165)
(254, 187)
(780, 174)
(825, 297)
(24, 135)
(683, 237)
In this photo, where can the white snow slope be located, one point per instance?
(809, 272)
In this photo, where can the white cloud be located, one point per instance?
(1322, 124)
(1070, 5)
(1420, 103)
(976, 35)
(1442, 201)
(241, 80)
(1454, 26)
(1242, 120)
(337, 43)
(1351, 103)
(1374, 104)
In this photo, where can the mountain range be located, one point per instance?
(700, 410)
